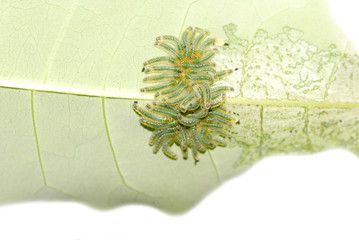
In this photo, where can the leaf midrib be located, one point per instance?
(106, 94)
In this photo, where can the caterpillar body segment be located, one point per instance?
(178, 99)
(163, 110)
(156, 60)
(202, 113)
(184, 138)
(161, 77)
(170, 50)
(180, 89)
(206, 57)
(217, 140)
(156, 134)
(219, 100)
(166, 149)
(158, 87)
(158, 144)
(205, 142)
(222, 89)
(187, 121)
(155, 125)
(150, 116)
(206, 44)
(221, 74)
(196, 140)
(175, 88)
(156, 69)
(183, 106)
(194, 105)
(171, 39)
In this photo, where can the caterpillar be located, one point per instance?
(187, 109)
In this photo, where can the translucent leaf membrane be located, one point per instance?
(284, 72)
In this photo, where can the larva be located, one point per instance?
(187, 111)
(188, 61)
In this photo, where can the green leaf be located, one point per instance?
(70, 70)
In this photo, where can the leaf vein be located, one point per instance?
(114, 154)
(37, 139)
(59, 39)
(110, 142)
(306, 128)
(185, 16)
(215, 168)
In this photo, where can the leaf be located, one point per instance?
(70, 70)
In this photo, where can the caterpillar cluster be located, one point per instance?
(187, 110)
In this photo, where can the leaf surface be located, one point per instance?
(70, 70)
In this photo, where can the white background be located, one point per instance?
(287, 197)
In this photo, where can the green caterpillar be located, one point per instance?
(187, 109)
